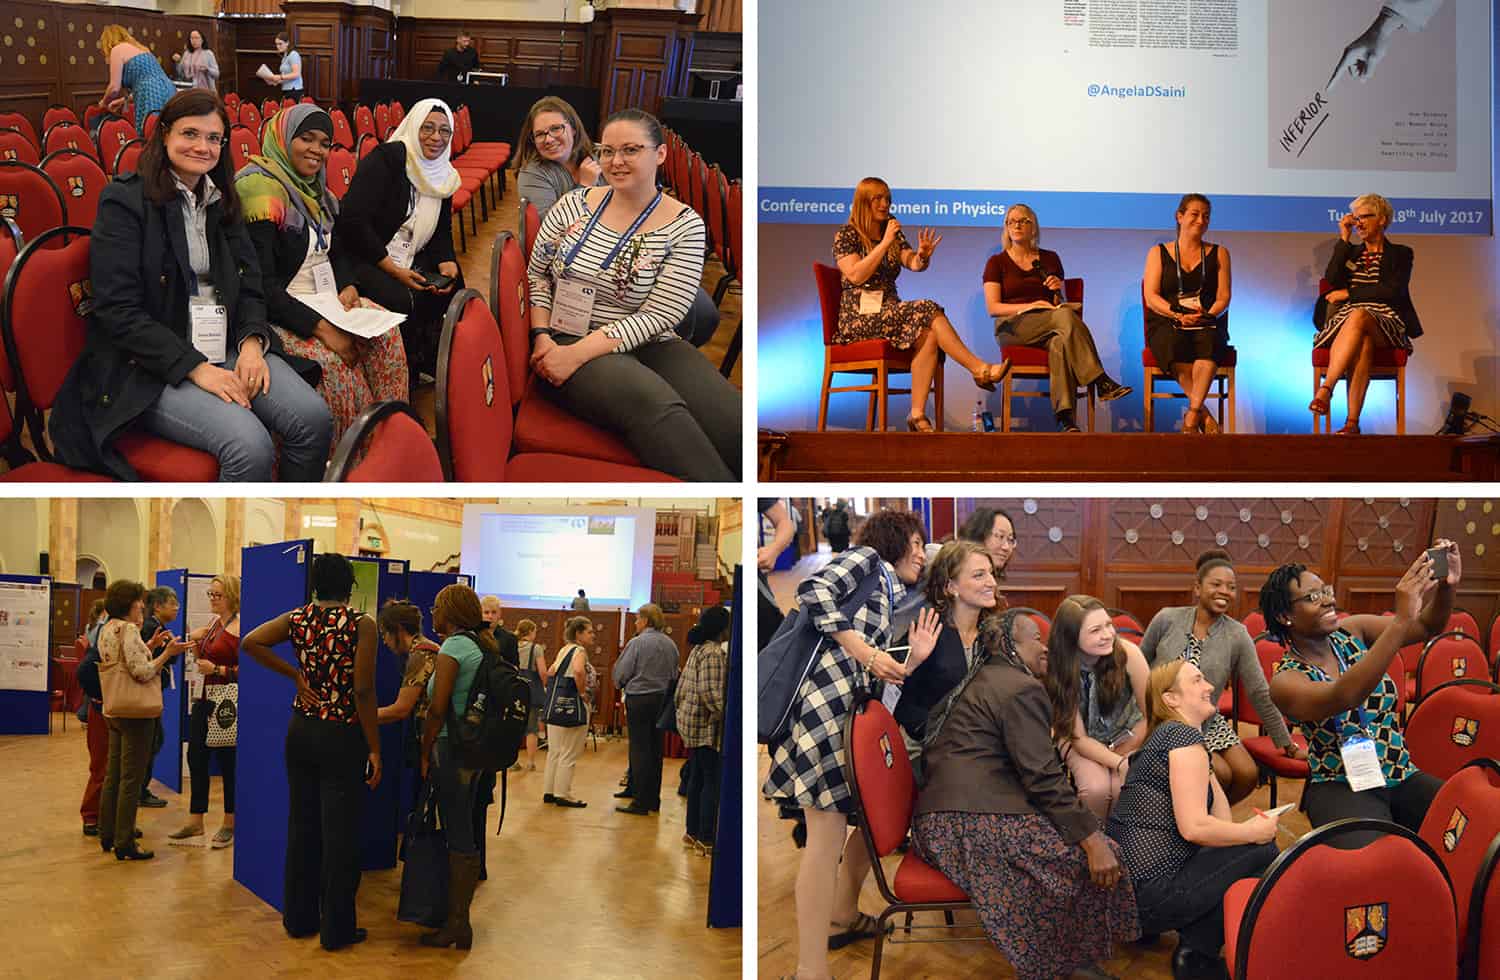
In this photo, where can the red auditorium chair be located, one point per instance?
(1381, 911)
(57, 113)
(47, 298)
(387, 444)
(880, 779)
(1462, 827)
(1389, 365)
(715, 192)
(289, 102)
(1463, 621)
(1124, 619)
(492, 151)
(1272, 763)
(340, 169)
(732, 224)
(93, 113)
(1450, 657)
(30, 198)
(398, 112)
(114, 133)
(309, 100)
(876, 358)
(382, 121)
(243, 144)
(367, 142)
(718, 209)
(1221, 389)
(232, 103)
(342, 134)
(1026, 362)
(364, 121)
(269, 108)
(1457, 722)
(81, 180)
(14, 145)
(129, 156)
(18, 121)
(152, 118)
(541, 426)
(1254, 622)
(250, 117)
(530, 224)
(1042, 620)
(1481, 957)
(1495, 640)
(472, 173)
(68, 136)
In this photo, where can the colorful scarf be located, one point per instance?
(271, 189)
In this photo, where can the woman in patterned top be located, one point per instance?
(1221, 647)
(332, 746)
(613, 271)
(807, 765)
(1182, 846)
(1333, 684)
(700, 700)
(1367, 306)
(400, 626)
(871, 250)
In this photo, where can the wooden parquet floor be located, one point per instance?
(579, 894)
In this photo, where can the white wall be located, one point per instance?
(114, 531)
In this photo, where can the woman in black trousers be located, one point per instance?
(332, 745)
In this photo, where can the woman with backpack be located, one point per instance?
(458, 617)
(566, 733)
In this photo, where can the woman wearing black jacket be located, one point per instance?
(178, 341)
(395, 227)
(1367, 306)
(290, 213)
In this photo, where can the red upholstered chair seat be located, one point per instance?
(397, 451)
(158, 460)
(51, 473)
(543, 427)
(1385, 357)
(557, 468)
(868, 350)
(1022, 356)
(1265, 752)
(917, 881)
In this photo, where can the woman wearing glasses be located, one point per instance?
(395, 226)
(1368, 304)
(1186, 288)
(1023, 291)
(613, 271)
(1333, 684)
(178, 342)
(218, 663)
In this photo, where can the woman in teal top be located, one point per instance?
(457, 617)
(1333, 684)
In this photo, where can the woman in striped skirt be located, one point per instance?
(1367, 306)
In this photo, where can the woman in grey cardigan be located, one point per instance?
(197, 63)
(1206, 635)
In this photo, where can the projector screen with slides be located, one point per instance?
(1101, 113)
(543, 559)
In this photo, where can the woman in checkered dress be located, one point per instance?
(807, 765)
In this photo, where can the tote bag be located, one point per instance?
(424, 873)
(124, 696)
(565, 708)
(223, 715)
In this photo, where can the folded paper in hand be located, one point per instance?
(264, 73)
(361, 321)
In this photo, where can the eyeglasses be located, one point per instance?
(553, 132)
(1366, 217)
(1003, 538)
(1019, 221)
(194, 136)
(629, 151)
(214, 595)
(428, 129)
(1317, 595)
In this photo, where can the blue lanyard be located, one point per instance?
(1364, 720)
(588, 229)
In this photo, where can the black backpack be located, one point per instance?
(493, 727)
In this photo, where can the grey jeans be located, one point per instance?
(1072, 359)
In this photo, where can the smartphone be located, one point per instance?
(437, 280)
(1439, 558)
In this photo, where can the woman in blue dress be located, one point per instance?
(133, 68)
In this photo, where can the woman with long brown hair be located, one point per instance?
(1097, 684)
(871, 250)
(554, 155)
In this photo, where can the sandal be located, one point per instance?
(1320, 402)
(863, 927)
(1192, 421)
(987, 376)
(919, 423)
(184, 835)
(1210, 424)
(223, 838)
(1349, 429)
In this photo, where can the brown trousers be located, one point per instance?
(1072, 359)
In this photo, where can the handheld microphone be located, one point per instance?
(1036, 270)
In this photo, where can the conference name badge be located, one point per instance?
(400, 251)
(572, 307)
(1362, 765)
(210, 324)
(323, 281)
(870, 301)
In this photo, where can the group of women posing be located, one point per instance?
(1186, 289)
(1079, 795)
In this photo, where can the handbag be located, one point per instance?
(565, 707)
(424, 872)
(784, 663)
(223, 715)
(124, 696)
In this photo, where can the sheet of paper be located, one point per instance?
(264, 73)
(1277, 811)
(360, 321)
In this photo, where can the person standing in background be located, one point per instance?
(289, 75)
(197, 64)
(836, 527)
(581, 603)
(701, 696)
(161, 608)
(644, 674)
(459, 60)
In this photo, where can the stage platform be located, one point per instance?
(1124, 457)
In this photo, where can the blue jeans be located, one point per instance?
(456, 790)
(244, 441)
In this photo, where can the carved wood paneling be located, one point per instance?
(533, 52)
(644, 58)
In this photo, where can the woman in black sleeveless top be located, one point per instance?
(1185, 324)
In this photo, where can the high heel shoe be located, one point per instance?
(1319, 404)
(1192, 421)
(919, 423)
(988, 376)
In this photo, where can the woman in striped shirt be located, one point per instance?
(613, 271)
(1368, 304)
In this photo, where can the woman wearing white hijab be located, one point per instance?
(395, 223)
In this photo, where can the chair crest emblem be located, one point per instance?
(8, 153)
(82, 295)
(1460, 666)
(487, 372)
(75, 186)
(10, 205)
(885, 750)
(521, 299)
(1454, 833)
(1365, 929)
(1464, 731)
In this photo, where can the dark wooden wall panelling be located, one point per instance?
(255, 45)
(340, 45)
(644, 56)
(528, 50)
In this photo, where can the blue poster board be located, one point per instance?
(380, 818)
(25, 712)
(274, 578)
(167, 767)
(724, 881)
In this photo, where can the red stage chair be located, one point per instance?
(1025, 362)
(1383, 910)
(1154, 373)
(342, 134)
(367, 142)
(14, 145)
(30, 199)
(55, 114)
(68, 136)
(382, 121)
(1390, 365)
(1461, 827)
(387, 444)
(341, 164)
(18, 121)
(879, 774)
(129, 156)
(1457, 722)
(47, 299)
(364, 120)
(876, 358)
(1449, 657)
(114, 133)
(81, 181)
(250, 117)
(243, 144)
(530, 224)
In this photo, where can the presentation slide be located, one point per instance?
(544, 559)
(24, 626)
(1102, 113)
